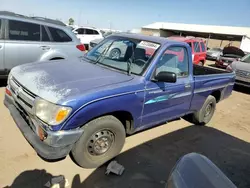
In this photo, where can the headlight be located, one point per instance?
(50, 113)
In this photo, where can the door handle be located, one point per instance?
(187, 86)
(45, 47)
(1, 46)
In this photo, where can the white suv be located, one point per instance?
(87, 34)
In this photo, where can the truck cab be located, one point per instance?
(88, 106)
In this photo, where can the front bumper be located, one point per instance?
(56, 145)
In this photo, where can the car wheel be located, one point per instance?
(205, 114)
(115, 53)
(102, 140)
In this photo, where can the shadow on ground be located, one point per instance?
(3, 82)
(242, 89)
(148, 165)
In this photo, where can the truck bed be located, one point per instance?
(209, 80)
(201, 70)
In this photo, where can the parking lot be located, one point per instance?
(147, 157)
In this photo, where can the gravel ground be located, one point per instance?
(147, 156)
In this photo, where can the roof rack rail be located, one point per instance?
(8, 13)
(57, 22)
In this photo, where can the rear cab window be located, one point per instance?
(203, 48)
(59, 35)
(23, 31)
(197, 47)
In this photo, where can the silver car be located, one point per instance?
(242, 70)
(29, 39)
(214, 53)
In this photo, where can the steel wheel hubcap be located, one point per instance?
(208, 110)
(100, 142)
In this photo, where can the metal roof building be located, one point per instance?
(214, 34)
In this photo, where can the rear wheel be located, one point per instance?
(103, 139)
(205, 114)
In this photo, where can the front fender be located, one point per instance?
(131, 103)
(52, 54)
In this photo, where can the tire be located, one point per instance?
(115, 54)
(108, 128)
(202, 117)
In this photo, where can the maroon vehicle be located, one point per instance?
(229, 55)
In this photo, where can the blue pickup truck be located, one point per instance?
(87, 106)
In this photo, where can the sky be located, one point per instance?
(131, 14)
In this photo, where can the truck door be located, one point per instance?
(22, 44)
(164, 101)
(1, 46)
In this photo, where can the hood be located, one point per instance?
(56, 80)
(233, 50)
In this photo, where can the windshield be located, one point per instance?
(246, 58)
(124, 54)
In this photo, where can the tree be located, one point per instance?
(71, 21)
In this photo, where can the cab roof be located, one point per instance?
(159, 40)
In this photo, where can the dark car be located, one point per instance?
(229, 55)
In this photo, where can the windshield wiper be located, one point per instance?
(104, 52)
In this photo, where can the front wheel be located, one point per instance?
(102, 140)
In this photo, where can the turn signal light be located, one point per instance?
(8, 92)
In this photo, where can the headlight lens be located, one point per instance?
(50, 113)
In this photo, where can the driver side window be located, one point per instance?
(175, 60)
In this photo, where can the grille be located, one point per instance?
(243, 74)
(21, 95)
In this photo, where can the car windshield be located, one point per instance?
(246, 58)
(129, 55)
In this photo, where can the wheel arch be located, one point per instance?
(116, 106)
(217, 95)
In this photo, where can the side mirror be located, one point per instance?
(75, 32)
(166, 77)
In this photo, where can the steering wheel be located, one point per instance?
(140, 62)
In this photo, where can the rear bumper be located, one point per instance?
(57, 144)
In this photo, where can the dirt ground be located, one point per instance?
(148, 157)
